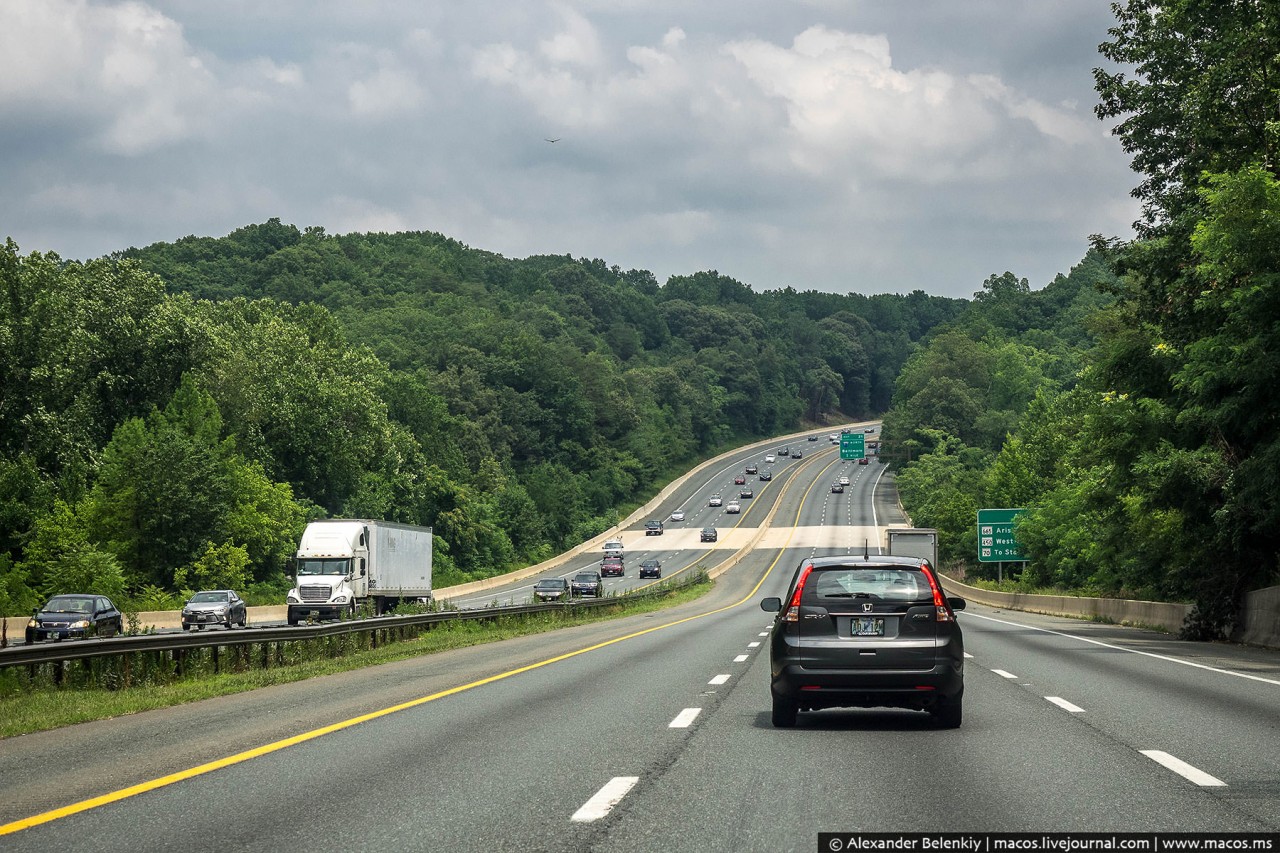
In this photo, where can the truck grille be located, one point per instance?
(315, 593)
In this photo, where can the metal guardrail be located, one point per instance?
(69, 650)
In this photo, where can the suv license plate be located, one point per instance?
(867, 626)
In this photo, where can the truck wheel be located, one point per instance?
(293, 618)
(352, 611)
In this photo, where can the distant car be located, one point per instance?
(844, 481)
(75, 615)
(783, 451)
(612, 566)
(797, 454)
(866, 632)
(869, 429)
(733, 508)
(678, 515)
(586, 583)
(864, 461)
(214, 607)
(551, 589)
(613, 548)
(813, 438)
(751, 469)
(653, 528)
(769, 457)
(746, 493)
(715, 500)
(709, 534)
(766, 476)
(834, 437)
(739, 479)
(651, 569)
(836, 487)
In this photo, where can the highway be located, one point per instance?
(652, 732)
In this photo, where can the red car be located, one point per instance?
(611, 566)
(739, 480)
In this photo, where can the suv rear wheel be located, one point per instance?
(948, 713)
(784, 712)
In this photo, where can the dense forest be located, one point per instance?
(1148, 456)
(173, 415)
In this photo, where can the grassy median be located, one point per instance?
(27, 707)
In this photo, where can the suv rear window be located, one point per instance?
(884, 583)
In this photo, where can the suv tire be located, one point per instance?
(784, 713)
(949, 713)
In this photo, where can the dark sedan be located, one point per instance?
(214, 607)
(765, 476)
(75, 615)
(651, 569)
(866, 632)
(587, 583)
(551, 589)
(709, 534)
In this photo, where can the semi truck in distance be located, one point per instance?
(344, 562)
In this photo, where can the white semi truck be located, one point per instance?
(344, 562)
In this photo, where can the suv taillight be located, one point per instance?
(793, 609)
(943, 609)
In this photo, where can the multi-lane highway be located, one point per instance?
(652, 732)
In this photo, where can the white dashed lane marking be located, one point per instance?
(1065, 705)
(719, 679)
(605, 799)
(1003, 674)
(685, 718)
(1183, 769)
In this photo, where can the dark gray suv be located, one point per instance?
(864, 632)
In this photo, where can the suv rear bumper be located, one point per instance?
(851, 688)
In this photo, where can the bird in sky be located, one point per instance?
(557, 139)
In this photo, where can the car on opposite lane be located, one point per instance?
(75, 615)
(587, 583)
(214, 607)
(551, 589)
(864, 632)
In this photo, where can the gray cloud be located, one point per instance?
(860, 146)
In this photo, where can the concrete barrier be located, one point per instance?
(1151, 614)
(1260, 622)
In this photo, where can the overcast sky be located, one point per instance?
(842, 145)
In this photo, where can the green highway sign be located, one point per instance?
(997, 542)
(853, 445)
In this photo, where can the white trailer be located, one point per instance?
(343, 562)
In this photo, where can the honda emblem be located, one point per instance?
(867, 608)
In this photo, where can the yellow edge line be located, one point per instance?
(172, 778)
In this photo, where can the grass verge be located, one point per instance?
(45, 708)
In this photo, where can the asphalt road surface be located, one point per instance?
(652, 733)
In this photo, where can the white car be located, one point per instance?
(844, 481)
(715, 501)
(733, 508)
(678, 515)
(769, 458)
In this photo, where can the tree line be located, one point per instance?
(173, 415)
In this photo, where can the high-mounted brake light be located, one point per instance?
(939, 601)
(793, 609)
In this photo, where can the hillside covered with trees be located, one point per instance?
(1144, 430)
(173, 415)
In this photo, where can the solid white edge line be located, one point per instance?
(740, 658)
(1065, 705)
(1130, 651)
(605, 799)
(1183, 769)
(685, 718)
(1003, 674)
(719, 679)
